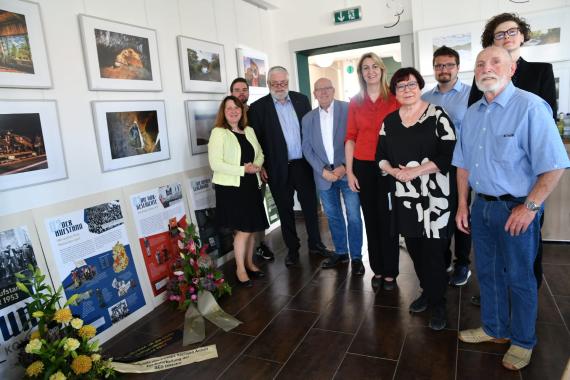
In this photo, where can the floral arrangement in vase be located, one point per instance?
(194, 272)
(61, 347)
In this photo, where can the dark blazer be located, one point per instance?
(535, 77)
(313, 147)
(264, 120)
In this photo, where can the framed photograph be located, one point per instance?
(562, 82)
(119, 56)
(23, 56)
(549, 37)
(253, 66)
(130, 133)
(465, 39)
(30, 144)
(201, 115)
(202, 66)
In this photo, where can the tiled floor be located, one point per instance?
(308, 323)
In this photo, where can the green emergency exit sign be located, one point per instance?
(347, 15)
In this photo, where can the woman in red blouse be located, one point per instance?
(366, 114)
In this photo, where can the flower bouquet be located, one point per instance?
(194, 287)
(194, 272)
(61, 346)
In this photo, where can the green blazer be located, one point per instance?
(224, 154)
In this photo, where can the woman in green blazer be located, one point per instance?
(236, 158)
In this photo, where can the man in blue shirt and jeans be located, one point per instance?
(509, 152)
(451, 94)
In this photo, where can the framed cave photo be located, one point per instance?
(23, 55)
(202, 65)
(130, 133)
(253, 66)
(119, 57)
(31, 151)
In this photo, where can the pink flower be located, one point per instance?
(221, 280)
(210, 275)
(180, 278)
(192, 290)
(195, 280)
(194, 297)
(172, 297)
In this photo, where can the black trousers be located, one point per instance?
(300, 179)
(428, 256)
(462, 246)
(383, 247)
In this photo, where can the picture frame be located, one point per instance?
(130, 133)
(202, 65)
(32, 151)
(118, 56)
(30, 68)
(201, 115)
(253, 66)
(562, 81)
(465, 39)
(549, 37)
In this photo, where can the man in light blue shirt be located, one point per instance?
(511, 155)
(451, 94)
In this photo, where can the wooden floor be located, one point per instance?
(308, 323)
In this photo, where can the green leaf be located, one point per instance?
(22, 287)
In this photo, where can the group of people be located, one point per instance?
(410, 162)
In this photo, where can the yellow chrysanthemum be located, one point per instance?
(63, 315)
(87, 332)
(35, 335)
(33, 346)
(71, 344)
(81, 364)
(57, 376)
(76, 323)
(95, 357)
(35, 369)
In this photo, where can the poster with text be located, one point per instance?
(93, 257)
(203, 200)
(16, 252)
(158, 213)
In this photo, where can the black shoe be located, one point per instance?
(438, 321)
(420, 304)
(358, 268)
(292, 258)
(376, 282)
(476, 300)
(321, 250)
(264, 252)
(245, 284)
(389, 285)
(255, 273)
(334, 260)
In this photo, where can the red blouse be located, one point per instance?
(364, 121)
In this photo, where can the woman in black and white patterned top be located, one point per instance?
(416, 148)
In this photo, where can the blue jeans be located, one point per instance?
(505, 272)
(331, 203)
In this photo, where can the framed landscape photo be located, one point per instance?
(201, 115)
(549, 36)
(23, 56)
(119, 56)
(130, 133)
(202, 65)
(30, 143)
(253, 66)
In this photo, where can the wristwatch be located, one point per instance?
(530, 205)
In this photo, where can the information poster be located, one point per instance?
(93, 257)
(16, 252)
(203, 198)
(158, 213)
(271, 207)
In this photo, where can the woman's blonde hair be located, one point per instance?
(221, 121)
(384, 88)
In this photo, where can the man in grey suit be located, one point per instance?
(324, 129)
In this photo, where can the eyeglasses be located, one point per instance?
(510, 32)
(447, 66)
(283, 83)
(401, 87)
(323, 89)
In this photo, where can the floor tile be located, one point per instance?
(365, 368)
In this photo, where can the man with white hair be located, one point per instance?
(509, 152)
(276, 119)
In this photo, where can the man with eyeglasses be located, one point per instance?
(276, 119)
(240, 89)
(509, 31)
(324, 129)
(452, 94)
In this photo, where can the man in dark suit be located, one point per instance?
(324, 130)
(276, 119)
